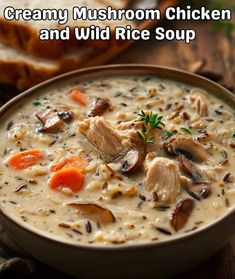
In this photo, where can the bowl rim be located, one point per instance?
(126, 246)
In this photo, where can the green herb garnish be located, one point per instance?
(170, 133)
(36, 103)
(186, 130)
(150, 122)
(233, 135)
(144, 137)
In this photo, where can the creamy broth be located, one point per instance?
(122, 189)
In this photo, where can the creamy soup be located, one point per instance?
(118, 160)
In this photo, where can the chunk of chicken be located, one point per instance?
(163, 177)
(103, 136)
(129, 130)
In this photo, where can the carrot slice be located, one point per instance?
(25, 159)
(70, 178)
(78, 97)
(74, 161)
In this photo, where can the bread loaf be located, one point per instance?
(23, 71)
(25, 34)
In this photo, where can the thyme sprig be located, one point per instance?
(186, 130)
(150, 121)
(169, 134)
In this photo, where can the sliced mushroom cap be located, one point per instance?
(65, 115)
(51, 123)
(53, 119)
(186, 146)
(94, 211)
(132, 161)
(43, 115)
(181, 213)
(191, 169)
(99, 107)
(200, 188)
(199, 191)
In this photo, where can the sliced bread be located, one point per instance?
(23, 71)
(25, 34)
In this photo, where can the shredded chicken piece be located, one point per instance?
(129, 125)
(103, 136)
(125, 125)
(129, 130)
(163, 177)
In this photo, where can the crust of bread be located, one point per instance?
(24, 36)
(23, 75)
(24, 71)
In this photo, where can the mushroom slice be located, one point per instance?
(131, 161)
(163, 177)
(200, 190)
(99, 107)
(186, 146)
(191, 169)
(53, 119)
(181, 213)
(44, 115)
(94, 211)
(65, 115)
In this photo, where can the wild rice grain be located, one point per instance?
(192, 229)
(227, 202)
(77, 231)
(226, 177)
(9, 125)
(224, 153)
(22, 186)
(163, 230)
(162, 207)
(232, 145)
(155, 196)
(142, 197)
(88, 226)
(65, 226)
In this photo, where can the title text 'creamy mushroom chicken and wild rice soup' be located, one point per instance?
(118, 160)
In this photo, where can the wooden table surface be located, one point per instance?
(218, 51)
(211, 45)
